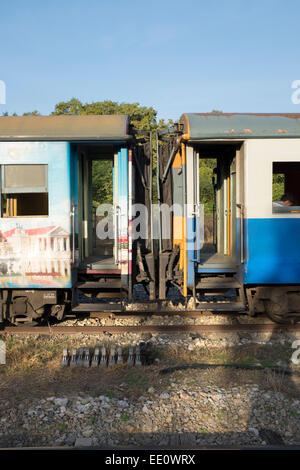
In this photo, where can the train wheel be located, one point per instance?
(277, 310)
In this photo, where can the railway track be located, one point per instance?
(140, 329)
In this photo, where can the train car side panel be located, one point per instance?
(35, 248)
(272, 238)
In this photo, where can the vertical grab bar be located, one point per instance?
(196, 214)
(73, 209)
(118, 214)
(241, 207)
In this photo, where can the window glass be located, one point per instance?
(285, 187)
(29, 178)
(24, 190)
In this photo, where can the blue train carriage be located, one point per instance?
(237, 235)
(58, 244)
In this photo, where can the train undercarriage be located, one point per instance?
(33, 307)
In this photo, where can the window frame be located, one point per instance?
(23, 190)
(26, 189)
(282, 209)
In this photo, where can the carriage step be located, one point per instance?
(97, 307)
(218, 283)
(116, 284)
(221, 306)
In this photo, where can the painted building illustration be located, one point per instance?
(35, 253)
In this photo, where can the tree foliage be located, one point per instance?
(206, 170)
(141, 117)
(278, 186)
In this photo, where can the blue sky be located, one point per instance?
(177, 56)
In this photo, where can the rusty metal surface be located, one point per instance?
(163, 329)
(163, 313)
(198, 126)
(64, 128)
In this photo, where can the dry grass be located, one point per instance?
(34, 369)
(276, 381)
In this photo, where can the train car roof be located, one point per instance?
(241, 126)
(65, 128)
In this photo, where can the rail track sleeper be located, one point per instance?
(96, 358)
(73, 361)
(80, 357)
(87, 357)
(130, 359)
(65, 358)
(120, 356)
(103, 361)
(138, 361)
(112, 358)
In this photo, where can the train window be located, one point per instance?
(285, 187)
(24, 190)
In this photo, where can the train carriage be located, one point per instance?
(233, 181)
(56, 237)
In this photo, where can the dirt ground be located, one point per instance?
(33, 369)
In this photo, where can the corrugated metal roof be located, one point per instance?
(198, 126)
(64, 128)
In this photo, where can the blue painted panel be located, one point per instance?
(36, 251)
(240, 267)
(191, 253)
(272, 251)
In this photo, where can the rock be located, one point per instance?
(123, 403)
(87, 432)
(255, 431)
(70, 440)
(61, 401)
(83, 442)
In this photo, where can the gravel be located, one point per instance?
(182, 417)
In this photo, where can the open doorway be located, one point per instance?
(102, 193)
(217, 195)
(97, 187)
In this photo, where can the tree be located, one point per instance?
(32, 113)
(141, 117)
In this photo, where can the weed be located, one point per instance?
(135, 379)
(124, 417)
(62, 427)
(275, 380)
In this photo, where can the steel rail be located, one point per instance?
(162, 329)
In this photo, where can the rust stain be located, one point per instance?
(287, 115)
(247, 131)
(282, 131)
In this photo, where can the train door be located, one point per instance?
(216, 207)
(98, 180)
